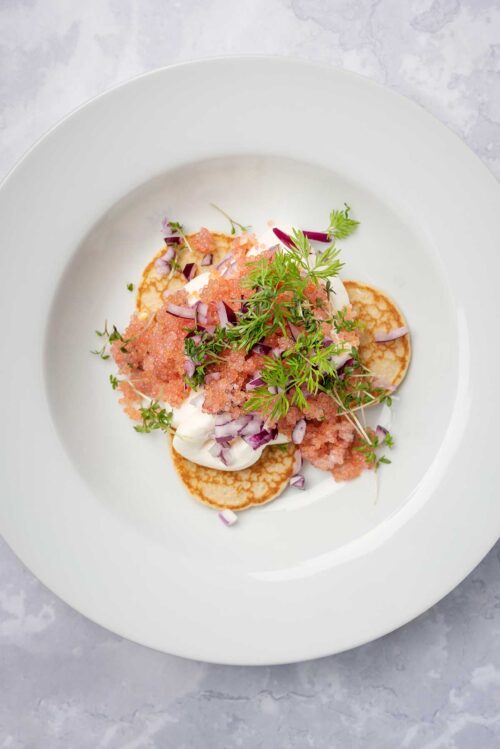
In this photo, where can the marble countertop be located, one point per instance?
(65, 683)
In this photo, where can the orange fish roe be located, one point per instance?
(354, 464)
(154, 358)
(203, 241)
(228, 393)
(130, 397)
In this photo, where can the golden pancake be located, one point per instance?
(153, 285)
(238, 490)
(389, 361)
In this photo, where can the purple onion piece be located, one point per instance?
(224, 260)
(223, 418)
(273, 389)
(224, 441)
(261, 348)
(253, 427)
(283, 237)
(261, 438)
(172, 240)
(215, 450)
(189, 367)
(297, 462)
(207, 259)
(348, 363)
(226, 315)
(189, 271)
(176, 310)
(226, 456)
(228, 517)
(277, 352)
(257, 382)
(317, 236)
(391, 335)
(299, 431)
(298, 481)
(381, 433)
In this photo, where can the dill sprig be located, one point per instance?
(154, 417)
(279, 285)
(341, 226)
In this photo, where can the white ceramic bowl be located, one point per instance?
(96, 511)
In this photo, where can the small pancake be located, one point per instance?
(389, 361)
(153, 285)
(238, 490)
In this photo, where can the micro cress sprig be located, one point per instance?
(154, 417)
(234, 224)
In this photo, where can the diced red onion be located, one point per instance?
(212, 376)
(215, 450)
(299, 431)
(189, 367)
(273, 389)
(261, 438)
(242, 421)
(261, 348)
(228, 517)
(224, 260)
(294, 330)
(207, 259)
(168, 231)
(244, 308)
(226, 315)
(169, 254)
(226, 456)
(230, 429)
(223, 418)
(283, 237)
(327, 342)
(348, 363)
(391, 335)
(222, 314)
(257, 382)
(297, 461)
(317, 236)
(298, 481)
(381, 433)
(186, 312)
(277, 351)
(172, 240)
(253, 427)
(163, 264)
(189, 271)
(201, 312)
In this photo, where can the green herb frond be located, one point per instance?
(154, 417)
(341, 226)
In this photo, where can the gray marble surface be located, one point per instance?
(66, 683)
